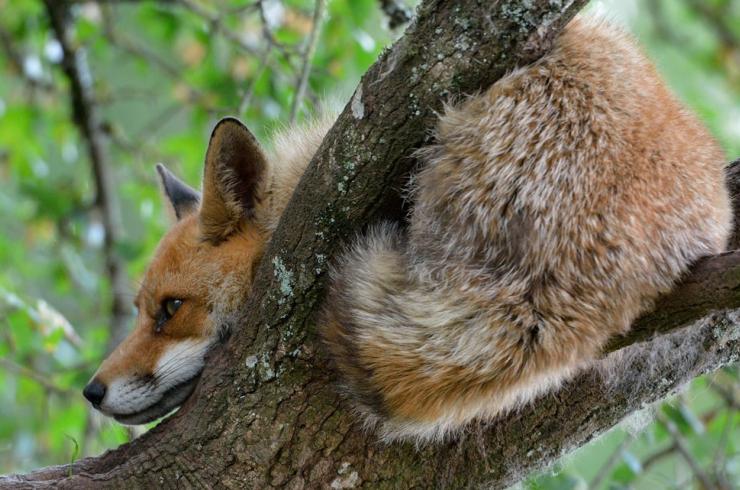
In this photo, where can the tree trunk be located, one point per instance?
(266, 413)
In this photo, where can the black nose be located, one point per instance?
(95, 392)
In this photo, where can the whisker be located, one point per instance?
(184, 357)
(175, 365)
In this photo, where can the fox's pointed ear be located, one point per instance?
(183, 199)
(234, 170)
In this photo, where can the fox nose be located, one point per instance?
(95, 392)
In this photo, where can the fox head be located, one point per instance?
(202, 268)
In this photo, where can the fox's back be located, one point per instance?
(576, 186)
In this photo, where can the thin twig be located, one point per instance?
(683, 450)
(663, 29)
(140, 51)
(308, 52)
(717, 19)
(133, 48)
(40, 378)
(610, 462)
(149, 129)
(726, 393)
(657, 456)
(269, 36)
(217, 25)
(246, 97)
(720, 455)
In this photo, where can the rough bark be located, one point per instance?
(266, 414)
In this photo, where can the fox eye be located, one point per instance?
(167, 311)
(171, 306)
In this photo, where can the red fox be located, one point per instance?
(549, 213)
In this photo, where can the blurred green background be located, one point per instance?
(160, 74)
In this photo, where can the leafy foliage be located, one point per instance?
(162, 74)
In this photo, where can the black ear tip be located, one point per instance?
(181, 196)
(230, 125)
(230, 120)
(165, 176)
(227, 122)
(161, 170)
(168, 178)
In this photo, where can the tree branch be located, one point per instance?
(217, 25)
(40, 378)
(265, 413)
(681, 447)
(307, 55)
(142, 51)
(713, 285)
(87, 119)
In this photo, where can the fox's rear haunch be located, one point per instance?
(552, 210)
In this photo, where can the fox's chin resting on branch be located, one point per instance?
(552, 210)
(202, 269)
(171, 399)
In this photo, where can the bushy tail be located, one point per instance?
(419, 359)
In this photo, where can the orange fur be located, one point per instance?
(206, 262)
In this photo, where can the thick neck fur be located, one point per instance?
(291, 152)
